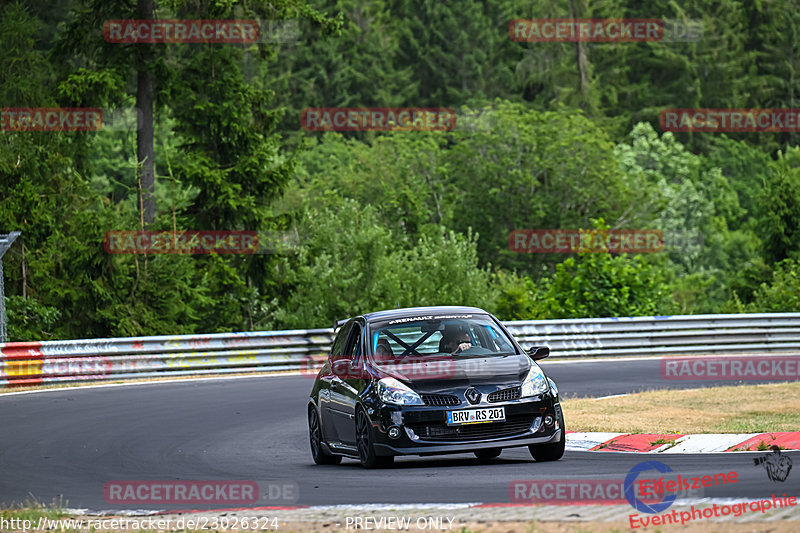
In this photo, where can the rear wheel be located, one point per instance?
(321, 457)
(487, 455)
(554, 451)
(366, 449)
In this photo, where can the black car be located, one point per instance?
(431, 380)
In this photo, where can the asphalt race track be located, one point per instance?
(71, 443)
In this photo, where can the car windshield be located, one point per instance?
(439, 335)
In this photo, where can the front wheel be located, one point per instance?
(366, 449)
(315, 437)
(551, 452)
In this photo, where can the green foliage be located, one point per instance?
(782, 294)
(516, 296)
(28, 320)
(780, 207)
(599, 285)
(512, 167)
(349, 263)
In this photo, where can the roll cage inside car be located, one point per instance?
(352, 345)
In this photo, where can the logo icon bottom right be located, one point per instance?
(777, 465)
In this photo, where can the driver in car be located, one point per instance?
(454, 340)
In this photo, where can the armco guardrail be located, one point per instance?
(662, 335)
(34, 363)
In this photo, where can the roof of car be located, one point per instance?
(422, 311)
(410, 312)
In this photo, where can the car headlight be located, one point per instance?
(535, 382)
(394, 392)
(553, 387)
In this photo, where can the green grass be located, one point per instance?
(757, 421)
(704, 410)
(33, 510)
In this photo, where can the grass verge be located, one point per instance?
(734, 409)
(32, 510)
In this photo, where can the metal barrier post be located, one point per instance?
(6, 240)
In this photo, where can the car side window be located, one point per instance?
(354, 343)
(341, 339)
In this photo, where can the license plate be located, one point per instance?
(476, 416)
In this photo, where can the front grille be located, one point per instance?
(505, 395)
(515, 424)
(440, 399)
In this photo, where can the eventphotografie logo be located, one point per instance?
(377, 119)
(181, 242)
(631, 495)
(666, 487)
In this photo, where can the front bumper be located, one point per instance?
(423, 429)
(438, 449)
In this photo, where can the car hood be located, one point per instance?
(436, 374)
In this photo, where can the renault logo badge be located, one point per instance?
(472, 395)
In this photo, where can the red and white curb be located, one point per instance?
(677, 443)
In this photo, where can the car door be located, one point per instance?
(328, 379)
(348, 384)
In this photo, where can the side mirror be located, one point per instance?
(539, 352)
(340, 365)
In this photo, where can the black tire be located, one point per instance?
(320, 456)
(551, 452)
(366, 449)
(488, 454)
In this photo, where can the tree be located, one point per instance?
(780, 207)
(348, 263)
